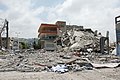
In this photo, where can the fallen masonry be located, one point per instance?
(60, 62)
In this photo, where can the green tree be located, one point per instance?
(24, 45)
(36, 45)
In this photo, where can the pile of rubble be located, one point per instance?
(79, 39)
(36, 61)
(78, 49)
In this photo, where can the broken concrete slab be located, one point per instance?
(106, 65)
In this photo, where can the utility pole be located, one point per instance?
(0, 42)
(17, 33)
(7, 36)
(107, 36)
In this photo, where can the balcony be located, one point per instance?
(48, 37)
(48, 30)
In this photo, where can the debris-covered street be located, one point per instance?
(74, 54)
(59, 40)
(35, 65)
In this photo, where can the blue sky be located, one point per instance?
(25, 16)
(3, 7)
(46, 3)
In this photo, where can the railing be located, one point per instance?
(48, 37)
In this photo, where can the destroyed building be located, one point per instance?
(76, 51)
(60, 36)
(4, 41)
(49, 32)
(4, 29)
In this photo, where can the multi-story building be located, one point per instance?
(47, 35)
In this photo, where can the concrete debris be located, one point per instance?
(59, 68)
(74, 39)
(77, 68)
(67, 57)
(60, 62)
(89, 50)
(106, 65)
(114, 52)
(115, 61)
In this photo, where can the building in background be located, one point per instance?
(6, 44)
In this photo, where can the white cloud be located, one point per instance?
(22, 18)
(94, 14)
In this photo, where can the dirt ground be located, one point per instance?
(96, 74)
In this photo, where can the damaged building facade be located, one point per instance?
(47, 35)
(4, 41)
(60, 36)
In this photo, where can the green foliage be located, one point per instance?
(36, 45)
(2, 53)
(24, 45)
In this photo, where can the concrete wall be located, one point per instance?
(49, 45)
